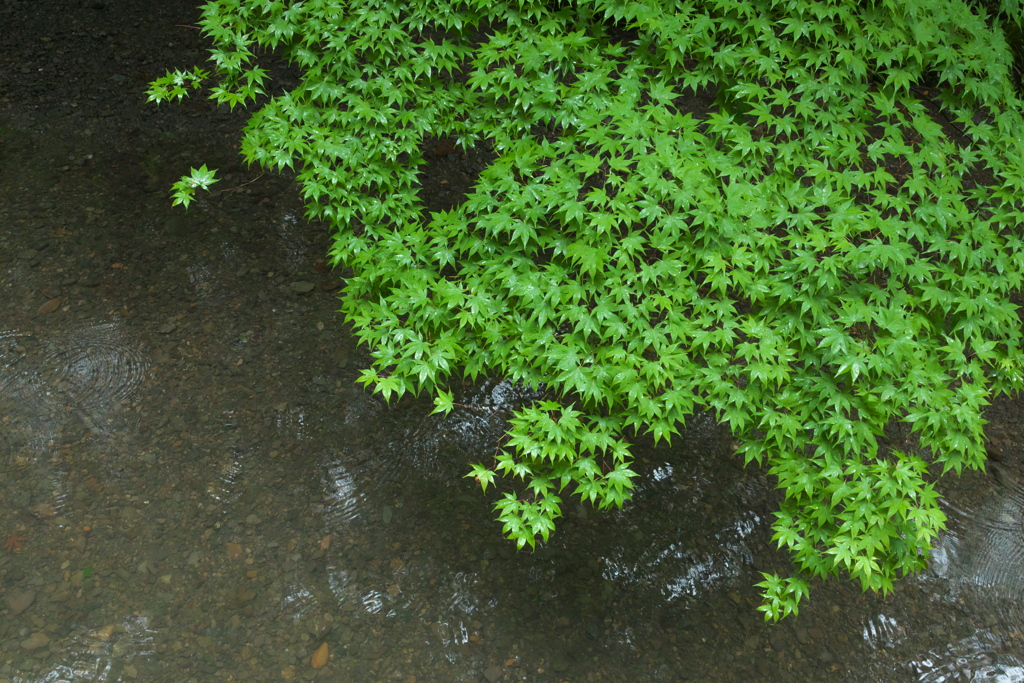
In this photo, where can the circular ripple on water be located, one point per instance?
(15, 369)
(981, 560)
(27, 430)
(93, 369)
(409, 437)
(43, 381)
(987, 544)
(11, 352)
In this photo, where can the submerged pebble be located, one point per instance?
(35, 641)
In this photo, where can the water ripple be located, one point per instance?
(342, 499)
(984, 549)
(93, 369)
(298, 601)
(970, 659)
(98, 655)
(88, 374)
(997, 561)
(883, 631)
(224, 488)
(685, 571)
(435, 445)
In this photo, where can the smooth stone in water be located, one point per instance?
(19, 601)
(50, 306)
(35, 641)
(492, 674)
(302, 287)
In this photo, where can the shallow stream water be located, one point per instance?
(193, 487)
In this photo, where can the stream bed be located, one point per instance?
(194, 487)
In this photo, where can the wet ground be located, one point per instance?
(193, 488)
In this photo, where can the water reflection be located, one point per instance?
(340, 582)
(224, 488)
(372, 601)
(434, 445)
(883, 632)
(292, 422)
(298, 602)
(102, 654)
(291, 234)
(378, 533)
(201, 277)
(985, 547)
(974, 658)
(683, 571)
(342, 500)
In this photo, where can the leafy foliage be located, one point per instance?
(183, 191)
(827, 250)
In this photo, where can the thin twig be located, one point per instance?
(243, 184)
